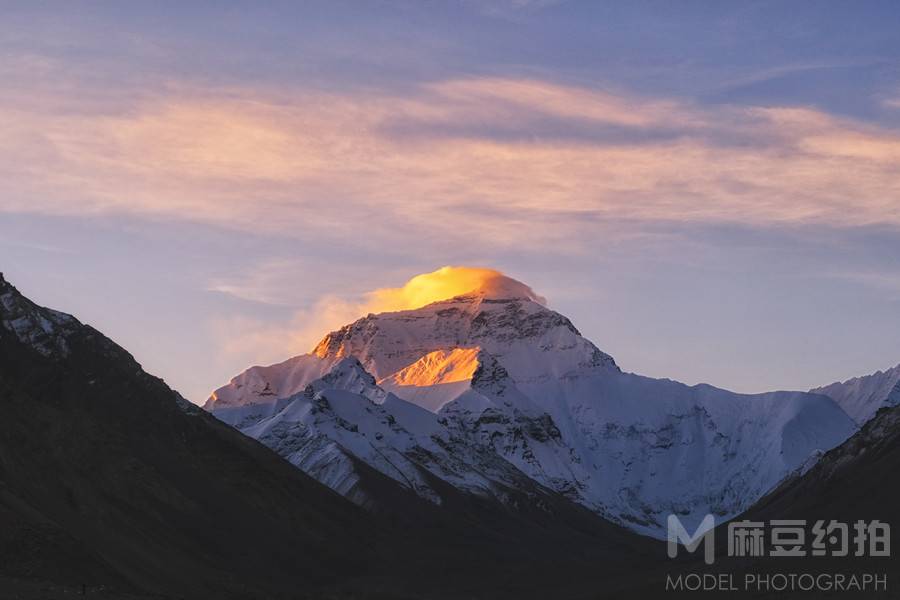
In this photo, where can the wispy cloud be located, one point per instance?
(508, 9)
(884, 281)
(249, 340)
(47, 248)
(495, 158)
(892, 102)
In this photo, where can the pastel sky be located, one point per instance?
(709, 190)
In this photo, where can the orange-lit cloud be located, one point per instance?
(444, 283)
(491, 161)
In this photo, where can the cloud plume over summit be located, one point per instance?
(308, 326)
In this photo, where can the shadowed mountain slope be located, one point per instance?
(110, 479)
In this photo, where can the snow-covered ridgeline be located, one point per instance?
(861, 397)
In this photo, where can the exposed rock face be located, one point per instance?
(41, 329)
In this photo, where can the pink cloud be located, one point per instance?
(287, 162)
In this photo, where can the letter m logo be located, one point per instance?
(704, 533)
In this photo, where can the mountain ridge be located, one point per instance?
(144, 481)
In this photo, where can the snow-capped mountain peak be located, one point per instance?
(531, 340)
(428, 355)
(493, 388)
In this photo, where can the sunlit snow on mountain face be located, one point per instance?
(438, 367)
(449, 282)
